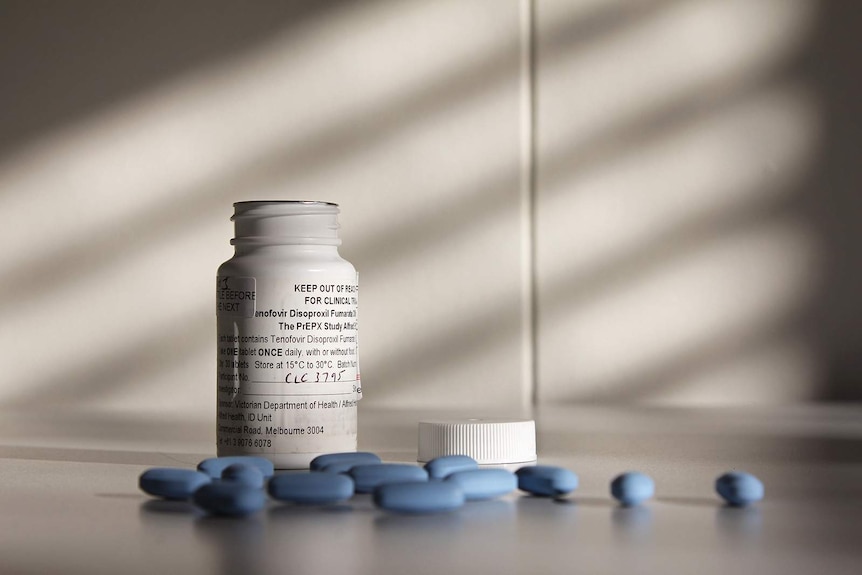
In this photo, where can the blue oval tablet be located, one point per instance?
(355, 457)
(419, 497)
(214, 466)
(367, 477)
(546, 480)
(480, 484)
(172, 483)
(247, 475)
(311, 488)
(440, 467)
(632, 487)
(739, 488)
(227, 498)
(338, 466)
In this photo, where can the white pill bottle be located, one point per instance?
(288, 340)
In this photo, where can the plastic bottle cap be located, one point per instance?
(488, 441)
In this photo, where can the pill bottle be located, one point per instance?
(287, 336)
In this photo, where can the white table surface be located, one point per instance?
(70, 504)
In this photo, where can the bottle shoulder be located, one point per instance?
(267, 265)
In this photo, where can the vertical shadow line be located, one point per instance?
(528, 201)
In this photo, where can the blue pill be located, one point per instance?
(478, 484)
(228, 498)
(311, 488)
(338, 467)
(440, 467)
(353, 457)
(171, 483)
(546, 480)
(419, 497)
(632, 488)
(214, 466)
(739, 488)
(247, 475)
(367, 477)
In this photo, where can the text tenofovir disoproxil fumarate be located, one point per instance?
(287, 307)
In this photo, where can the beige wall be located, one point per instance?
(548, 201)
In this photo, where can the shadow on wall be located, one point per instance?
(65, 63)
(813, 336)
(833, 200)
(62, 62)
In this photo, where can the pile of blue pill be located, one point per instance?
(238, 486)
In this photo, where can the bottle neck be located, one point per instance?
(282, 250)
(282, 224)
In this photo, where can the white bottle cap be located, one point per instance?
(488, 441)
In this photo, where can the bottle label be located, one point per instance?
(288, 366)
